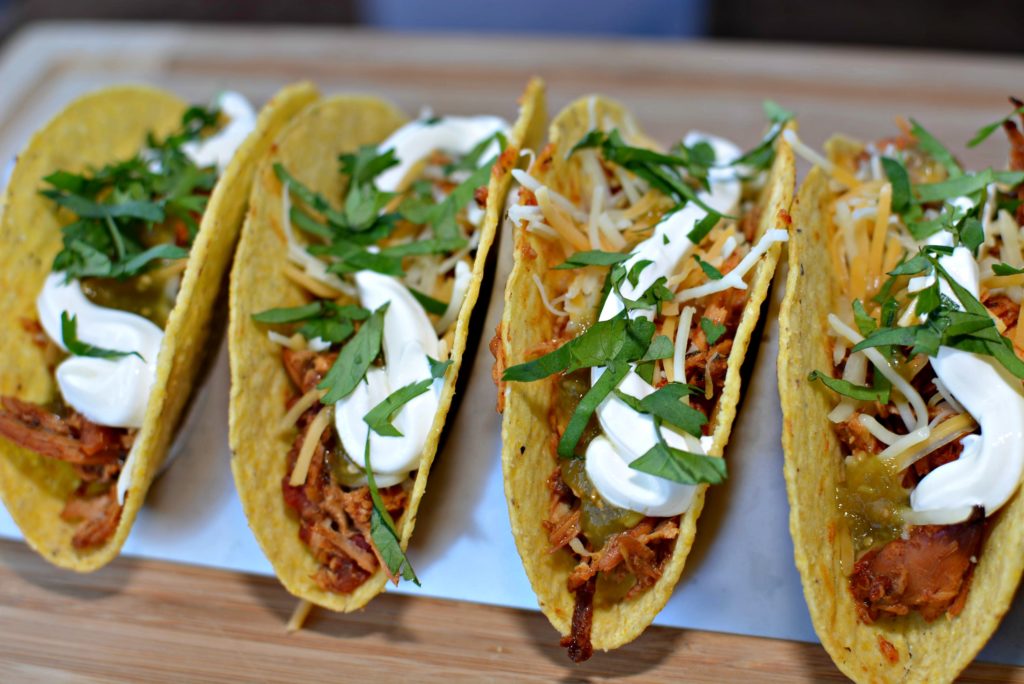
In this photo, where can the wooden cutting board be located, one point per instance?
(140, 620)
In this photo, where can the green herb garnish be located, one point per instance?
(69, 335)
(383, 531)
(355, 358)
(118, 206)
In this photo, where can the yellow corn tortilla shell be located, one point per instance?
(927, 652)
(526, 451)
(309, 149)
(103, 127)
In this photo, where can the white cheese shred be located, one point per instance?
(299, 616)
(544, 297)
(320, 423)
(734, 278)
(304, 403)
(921, 431)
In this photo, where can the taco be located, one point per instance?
(358, 270)
(120, 218)
(637, 282)
(900, 381)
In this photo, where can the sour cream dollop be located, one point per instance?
(989, 470)
(408, 340)
(416, 140)
(219, 149)
(112, 392)
(409, 336)
(626, 434)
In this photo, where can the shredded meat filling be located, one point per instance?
(577, 642)
(929, 571)
(333, 522)
(96, 453)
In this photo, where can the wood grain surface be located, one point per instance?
(142, 620)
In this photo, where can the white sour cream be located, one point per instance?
(627, 435)
(219, 149)
(989, 470)
(112, 392)
(452, 134)
(407, 341)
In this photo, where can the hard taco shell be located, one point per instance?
(905, 649)
(526, 448)
(309, 148)
(102, 127)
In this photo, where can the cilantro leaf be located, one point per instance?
(633, 276)
(953, 187)
(703, 227)
(775, 112)
(383, 532)
(380, 416)
(69, 336)
(1004, 269)
(849, 389)
(618, 338)
(896, 172)
(865, 323)
(429, 304)
(608, 381)
(712, 330)
(438, 368)
(930, 144)
(660, 170)
(289, 314)
(985, 131)
(710, 271)
(593, 257)
(355, 358)
(681, 466)
(117, 207)
(664, 405)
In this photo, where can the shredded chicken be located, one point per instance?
(577, 643)
(97, 453)
(929, 571)
(657, 535)
(98, 515)
(1003, 307)
(333, 522)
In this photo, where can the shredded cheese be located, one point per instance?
(295, 342)
(563, 225)
(544, 297)
(993, 282)
(304, 403)
(838, 173)
(878, 239)
(320, 423)
(734, 278)
(880, 432)
(944, 433)
(947, 396)
(316, 287)
(913, 396)
(681, 343)
(299, 615)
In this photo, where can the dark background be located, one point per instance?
(976, 25)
